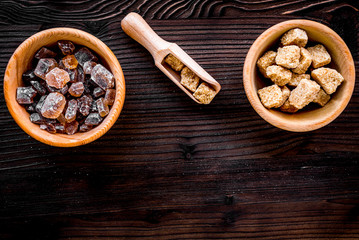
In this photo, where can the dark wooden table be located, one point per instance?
(172, 169)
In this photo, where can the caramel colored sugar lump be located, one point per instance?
(320, 56)
(328, 78)
(295, 36)
(285, 95)
(271, 97)
(289, 108)
(322, 98)
(304, 61)
(288, 56)
(304, 93)
(296, 78)
(265, 61)
(279, 75)
(175, 64)
(204, 93)
(189, 79)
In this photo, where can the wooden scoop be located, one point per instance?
(138, 29)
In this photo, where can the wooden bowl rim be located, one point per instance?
(280, 122)
(63, 140)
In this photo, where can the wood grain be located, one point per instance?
(172, 169)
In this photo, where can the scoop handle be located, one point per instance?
(138, 29)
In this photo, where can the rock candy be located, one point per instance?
(102, 107)
(84, 104)
(60, 128)
(66, 47)
(110, 96)
(25, 95)
(76, 89)
(48, 127)
(71, 110)
(44, 66)
(70, 62)
(57, 78)
(102, 77)
(40, 103)
(37, 118)
(29, 76)
(97, 92)
(53, 106)
(72, 127)
(83, 55)
(93, 119)
(85, 128)
(88, 66)
(38, 87)
(45, 53)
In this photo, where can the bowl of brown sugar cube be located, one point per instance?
(64, 87)
(299, 75)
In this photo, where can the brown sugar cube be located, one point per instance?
(295, 36)
(279, 75)
(271, 96)
(322, 98)
(174, 63)
(189, 79)
(320, 56)
(289, 108)
(294, 81)
(304, 93)
(204, 93)
(285, 95)
(288, 56)
(304, 61)
(328, 78)
(265, 61)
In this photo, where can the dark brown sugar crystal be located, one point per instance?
(68, 91)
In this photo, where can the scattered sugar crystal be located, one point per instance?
(70, 62)
(57, 78)
(84, 55)
(25, 95)
(53, 106)
(76, 89)
(66, 47)
(71, 110)
(102, 77)
(102, 107)
(88, 66)
(110, 96)
(44, 66)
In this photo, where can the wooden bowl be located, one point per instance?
(21, 61)
(304, 120)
